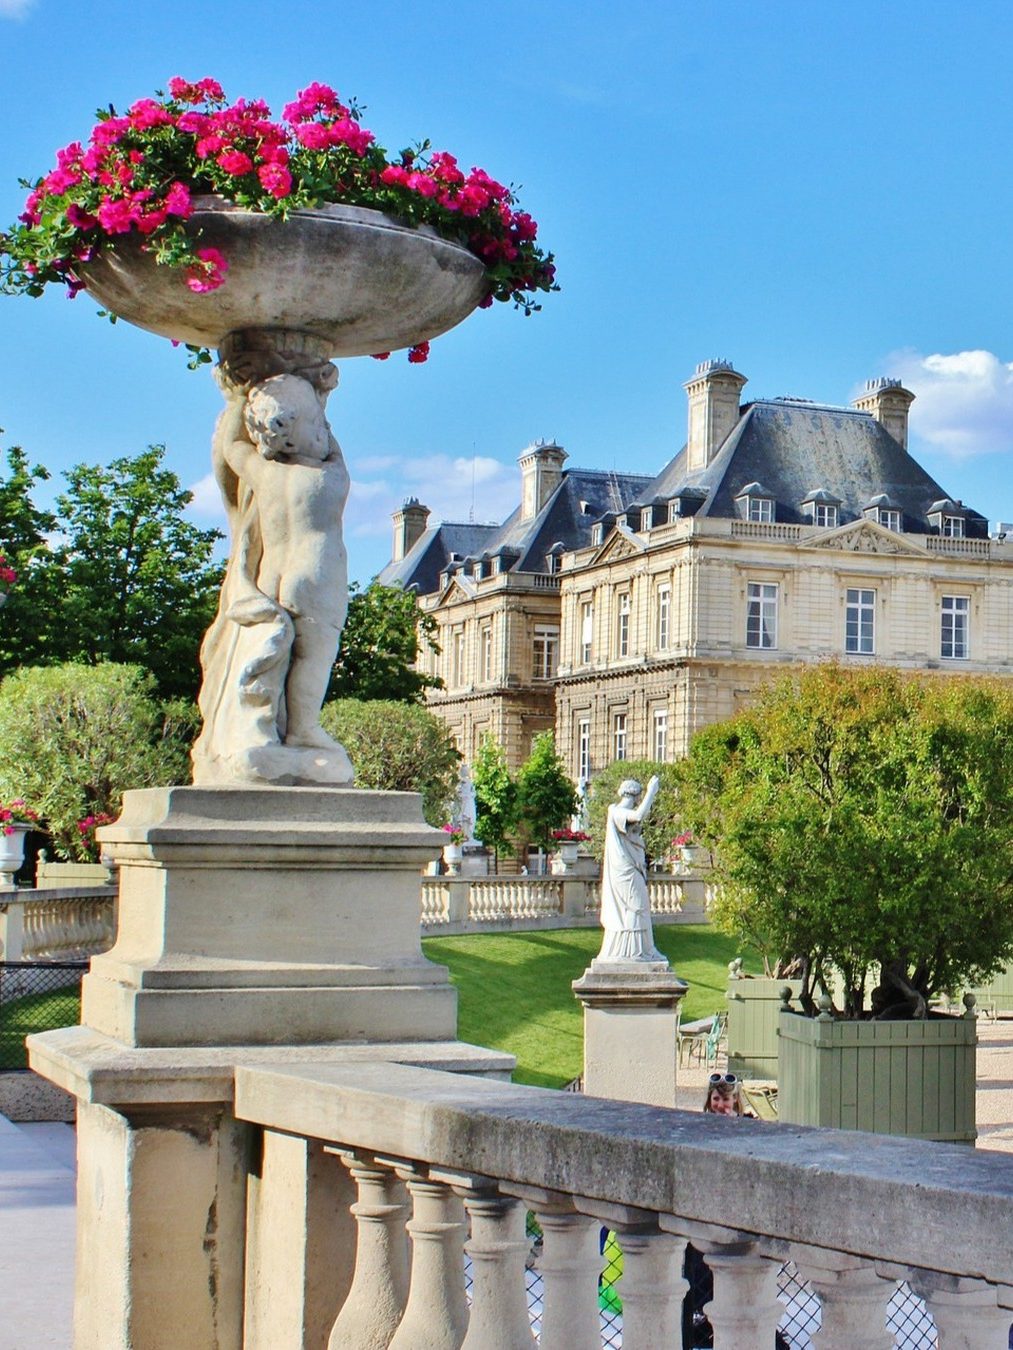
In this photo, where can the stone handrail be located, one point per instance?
(52, 924)
(460, 903)
(457, 1161)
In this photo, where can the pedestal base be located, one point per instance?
(631, 1050)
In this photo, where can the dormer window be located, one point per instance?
(948, 518)
(554, 559)
(823, 508)
(886, 512)
(597, 534)
(757, 504)
(646, 519)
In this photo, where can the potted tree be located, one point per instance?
(862, 822)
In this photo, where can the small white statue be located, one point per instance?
(267, 657)
(625, 903)
(465, 809)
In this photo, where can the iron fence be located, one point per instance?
(36, 996)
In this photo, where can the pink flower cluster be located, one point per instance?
(15, 813)
(87, 828)
(139, 172)
(7, 573)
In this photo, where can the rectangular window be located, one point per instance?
(860, 622)
(825, 515)
(761, 614)
(583, 749)
(953, 527)
(623, 634)
(487, 654)
(954, 628)
(619, 736)
(459, 657)
(546, 652)
(664, 616)
(661, 735)
(890, 520)
(586, 631)
(761, 509)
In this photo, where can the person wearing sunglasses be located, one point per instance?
(723, 1097)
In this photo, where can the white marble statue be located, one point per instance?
(581, 818)
(267, 657)
(625, 904)
(465, 808)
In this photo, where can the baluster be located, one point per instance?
(379, 1292)
(744, 1310)
(964, 1311)
(652, 1289)
(570, 1265)
(498, 1248)
(436, 1314)
(853, 1298)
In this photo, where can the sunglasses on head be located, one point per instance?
(717, 1079)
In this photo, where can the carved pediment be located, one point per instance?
(457, 588)
(865, 536)
(621, 543)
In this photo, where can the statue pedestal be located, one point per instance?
(256, 925)
(631, 1015)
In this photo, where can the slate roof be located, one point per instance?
(794, 449)
(583, 497)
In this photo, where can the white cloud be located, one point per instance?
(964, 400)
(454, 488)
(15, 9)
(207, 501)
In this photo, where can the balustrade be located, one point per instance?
(856, 1220)
(58, 924)
(509, 900)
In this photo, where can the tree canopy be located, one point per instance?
(383, 635)
(863, 820)
(397, 747)
(546, 798)
(495, 795)
(115, 573)
(74, 738)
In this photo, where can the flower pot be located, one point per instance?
(695, 855)
(349, 276)
(910, 1078)
(568, 851)
(12, 854)
(452, 855)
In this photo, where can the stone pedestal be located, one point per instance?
(631, 1050)
(256, 925)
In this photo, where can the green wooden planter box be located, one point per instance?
(754, 1006)
(910, 1078)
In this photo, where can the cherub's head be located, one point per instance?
(284, 416)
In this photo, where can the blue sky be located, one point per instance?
(818, 191)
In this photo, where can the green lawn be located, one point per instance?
(514, 989)
(36, 1012)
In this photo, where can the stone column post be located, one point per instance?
(631, 1015)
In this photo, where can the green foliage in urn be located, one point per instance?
(545, 794)
(495, 795)
(397, 747)
(863, 821)
(74, 738)
(383, 635)
(661, 824)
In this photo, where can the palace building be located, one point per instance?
(627, 611)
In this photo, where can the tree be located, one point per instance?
(140, 584)
(383, 635)
(546, 798)
(495, 795)
(661, 825)
(863, 821)
(397, 747)
(74, 738)
(29, 621)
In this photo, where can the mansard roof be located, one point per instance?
(788, 445)
(583, 497)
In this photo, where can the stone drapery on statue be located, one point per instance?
(267, 657)
(625, 902)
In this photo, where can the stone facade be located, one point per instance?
(784, 531)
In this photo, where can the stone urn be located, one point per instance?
(12, 854)
(452, 856)
(298, 291)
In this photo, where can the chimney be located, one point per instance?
(541, 473)
(409, 526)
(713, 393)
(889, 402)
